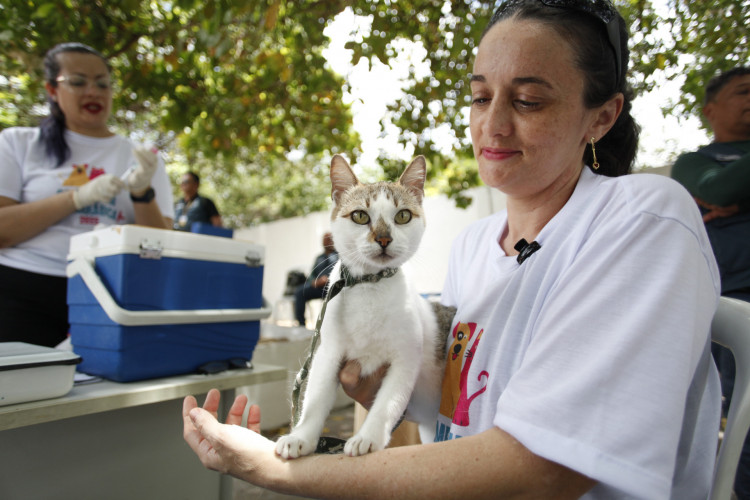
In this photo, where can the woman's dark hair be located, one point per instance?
(595, 57)
(53, 126)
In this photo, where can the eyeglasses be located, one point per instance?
(606, 13)
(79, 84)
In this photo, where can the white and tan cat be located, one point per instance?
(375, 227)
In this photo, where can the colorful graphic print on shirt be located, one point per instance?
(99, 212)
(77, 176)
(456, 400)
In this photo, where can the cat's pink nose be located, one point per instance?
(383, 241)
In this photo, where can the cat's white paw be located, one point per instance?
(294, 446)
(360, 444)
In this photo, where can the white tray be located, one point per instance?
(31, 372)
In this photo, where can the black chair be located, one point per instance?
(293, 280)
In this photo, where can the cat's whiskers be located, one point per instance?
(355, 261)
(361, 264)
(419, 261)
(322, 272)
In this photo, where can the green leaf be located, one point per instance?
(44, 10)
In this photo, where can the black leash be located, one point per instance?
(347, 280)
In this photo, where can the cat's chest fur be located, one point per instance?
(379, 320)
(374, 322)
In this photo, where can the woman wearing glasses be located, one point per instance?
(63, 178)
(587, 302)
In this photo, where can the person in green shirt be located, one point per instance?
(718, 177)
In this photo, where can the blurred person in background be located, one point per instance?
(315, 284)
(718, 177)
(193, 207)
(63, 178)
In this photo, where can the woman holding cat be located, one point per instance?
(63, 178)
(567, 391)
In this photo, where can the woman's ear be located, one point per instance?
(605, 116)
(52, 91)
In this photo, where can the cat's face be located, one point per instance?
(380, 225)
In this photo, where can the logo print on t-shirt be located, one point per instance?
(98, 212)
(455, 400)
(78, 176)
(96, 172)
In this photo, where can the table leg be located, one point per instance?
(225, 481)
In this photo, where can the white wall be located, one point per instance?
(294, 243)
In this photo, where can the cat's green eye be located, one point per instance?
(360, 217)
(403, 216)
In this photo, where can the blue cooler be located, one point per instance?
(203, 228)
(146, 303)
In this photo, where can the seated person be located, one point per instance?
(193, 207)
(718, 177)
(315, 284)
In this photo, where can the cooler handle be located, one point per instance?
(84, 268)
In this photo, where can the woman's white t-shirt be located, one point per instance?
(28, 174)
(594, 352)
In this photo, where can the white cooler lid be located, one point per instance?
(134, 239)
(15, 355)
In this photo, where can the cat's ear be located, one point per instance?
(414, 176)
(342, 177)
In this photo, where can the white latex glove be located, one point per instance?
(102, 188)
(140, 179)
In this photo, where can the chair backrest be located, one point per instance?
(294, 278)
(731, 328)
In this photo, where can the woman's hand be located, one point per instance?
(100, 189)
(361, 389)
(140, 179)
(227, 448)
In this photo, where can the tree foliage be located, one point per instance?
(239, 90)
(691, 42)
(224, 87)
(670, 39)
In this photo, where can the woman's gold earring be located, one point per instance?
(595, 166)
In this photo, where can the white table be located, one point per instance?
(113, 441)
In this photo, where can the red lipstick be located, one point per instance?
(499, 153)
(93, 107)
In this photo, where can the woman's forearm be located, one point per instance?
(22, 221)
(149, 214)
(490, 465)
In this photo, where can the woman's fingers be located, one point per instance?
(238, 408)
(211, 404)
(192, 433)
(361, 389)
(253, 418)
